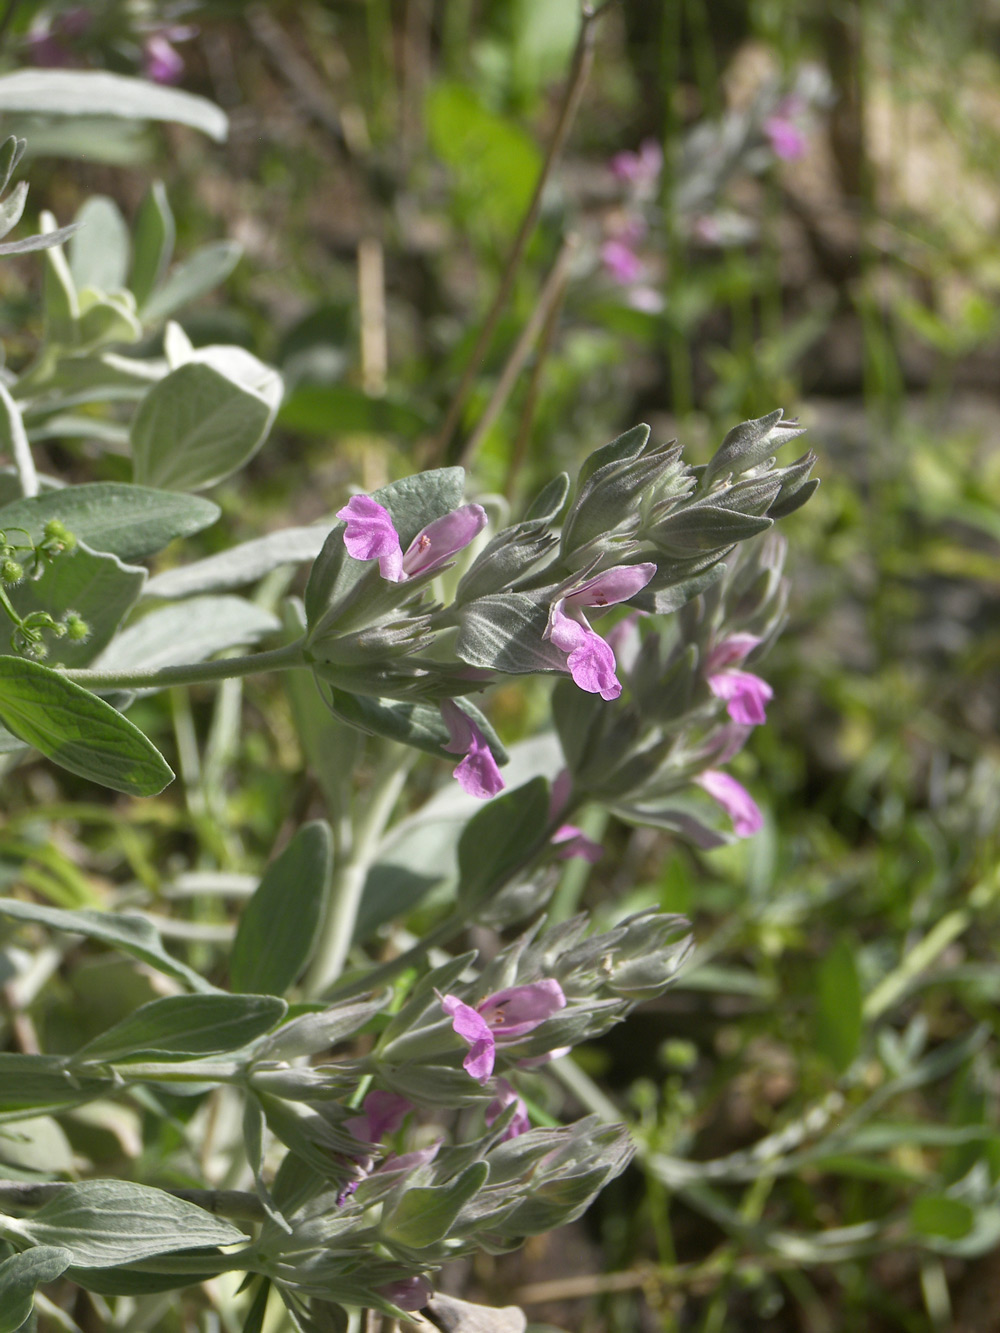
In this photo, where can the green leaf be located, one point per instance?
(11, 152)
(12, 208)
(277, 931)
(154, 243)
(78, 731)
(99, 587)
(52, 92)
(339, 409)
(195, 427)
(21, 1274)
(191, 631)
(131, 522)
(240, 565)
(495, 162)
(108, 1222)
(839, 1015)
(941, 1215)
(180, 1026)
(500, 839)
(205, 269)
(99, 251)
(131, 934)
(504, 632)
(424, 1216)
(254, 1322)
(33, 1084)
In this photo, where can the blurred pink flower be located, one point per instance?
(478, 773)
(641, 168)
(785, 137)
(621, 262)
(734, 798)
(506, 1096)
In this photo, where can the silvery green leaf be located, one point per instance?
(704, 527)
(179, 1027)
(240, 565)
(57, 92)
(131, 522)
(11, 152)
(628, 445)
(548, 503)
(195, 427)
(108, 1222)
(74, 379)
(674, 819)
(677, 582)
(504, 633)
(504, 559)
(754, 495)
(431, 1084)
(115, 1281)
(311, 1033)
(45, 241)
(59, 299)
(33, 1084)
(416, 856)
(308, 1135)
(795, 498)
(153, 245)
(12, 207)
(106, 319)
(77, 730)
(192, 278)
(419, 725)
(420, 1217)
(424, 995)
(99, 251)
(21, 1274)
(191, 631)
(749, 444)
(130, 934)
(101, 588)
(278, 928)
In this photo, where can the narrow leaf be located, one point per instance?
(57, 92)
(180, 1026)
(78, 731)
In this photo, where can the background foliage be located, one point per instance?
(815, 1102)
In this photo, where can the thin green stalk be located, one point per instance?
(191, 673)
(579, 68)
(349, 878)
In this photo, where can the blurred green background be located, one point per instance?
(808, 218)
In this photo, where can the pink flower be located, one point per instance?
(786, 139)
(370, 534)
(590, 660)
(646, 298)
(506, 1096)
(501, 1019)
(734, 798)
(745, 694)
(381, 1113)
(622, 262)
(409, 1293)
(641, 168)
(160, 61)
(478, 773)
(570, 841)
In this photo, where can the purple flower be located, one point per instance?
(478, 773)
(590, 660)
(734, 798)
(622, 262)
(382, 1113)
(786, 139)
(409, 1293)
(370, 534)
(570, 841)
(641, 168)
(745, 694)
(500, 1019)
(506, 1096)
(160, 61)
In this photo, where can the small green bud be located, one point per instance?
(11, 571)
(76, 627)
(56, 531)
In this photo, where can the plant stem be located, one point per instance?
(190, 673)
(549, 299)
(579, 69)
(349, 879)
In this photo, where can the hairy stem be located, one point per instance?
(191, 673)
